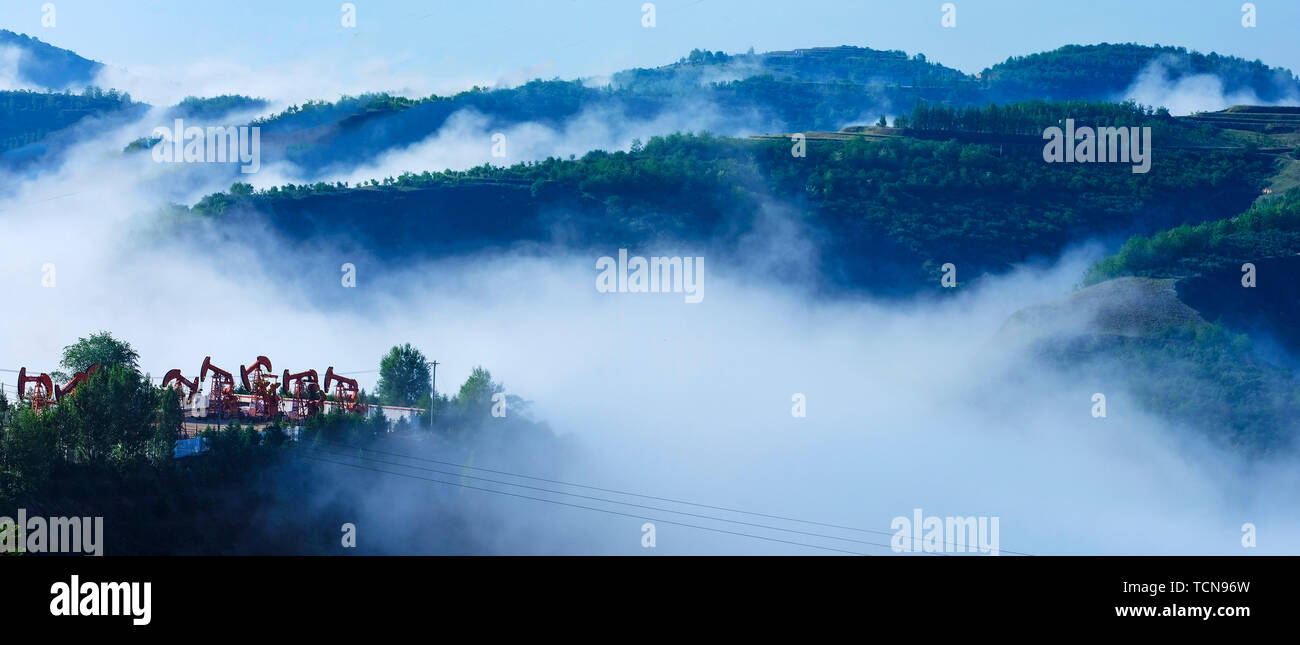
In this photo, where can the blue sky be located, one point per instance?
(447, 44)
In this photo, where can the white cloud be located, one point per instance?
(909, 404)
(1161, 83)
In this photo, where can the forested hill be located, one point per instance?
(37, 121)
(800, 90)
(1210, 259)
(845, 64)
(1103, 71)
(30, 117)
(1204, 320)
(823, 88)
(44, 66)
(885, 213)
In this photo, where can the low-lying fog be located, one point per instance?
(909, 404)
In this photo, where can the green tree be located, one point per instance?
(171, 418)
(117, 411)
(403, 377)
(99, 348)
(273, 434)
(28, 451)
(476, 392)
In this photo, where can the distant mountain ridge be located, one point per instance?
(43, 65)
(820, 88)
(1093, 72)
(799, 90)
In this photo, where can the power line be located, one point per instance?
(43, 200)
(592, 508)
(606, 490)
(622, 492)
(612, 501)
